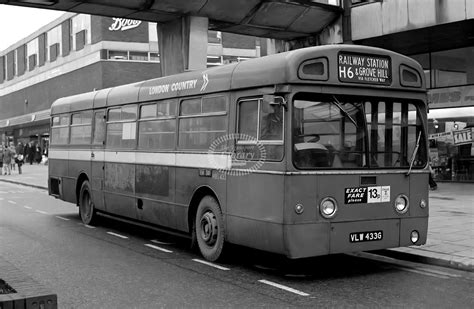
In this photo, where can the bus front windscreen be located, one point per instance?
(353, 132)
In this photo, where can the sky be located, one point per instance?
(17, 22)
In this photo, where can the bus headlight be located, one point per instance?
(414, 236)
(328, 207)
(401, 204)
(423, 203)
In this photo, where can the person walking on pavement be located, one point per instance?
(19, 157)
(1, 158)
(38, 155)
(8, 153)
(30, 153)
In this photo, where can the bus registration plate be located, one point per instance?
(365, 236)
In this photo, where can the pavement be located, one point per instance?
(450, 229)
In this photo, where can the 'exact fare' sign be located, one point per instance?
(366, 69)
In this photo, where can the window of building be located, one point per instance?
(202, 121)
(121, 127)
(80, 39)
(80, 31)
(448, 68)
(32, 48)
(155, 57)
(138, 56)
(53, 38)
(214, 61)
(118, 55)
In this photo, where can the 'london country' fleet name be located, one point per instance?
(183, 85)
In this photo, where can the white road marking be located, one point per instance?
(161, 242)
(283, 287)
(159, 248)
(88, 226)
(62, 218)
(211, 264)
(27, 207)
(117, 235)
(11, 202)
(41, 212)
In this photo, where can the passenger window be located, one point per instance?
(99, 128)
(157, 129)
(81, 128)
(60, 130)
(121, 127)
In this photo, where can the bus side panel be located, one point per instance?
(155, 188)
(119, 188)
(58, 168)
(77, 167)
(255, 211)
(188, 181)
(97, 184)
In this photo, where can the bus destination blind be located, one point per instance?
(365, 69)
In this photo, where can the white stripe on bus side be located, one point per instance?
(196, 160)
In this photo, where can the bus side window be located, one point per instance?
(99, 128)
(60, 130)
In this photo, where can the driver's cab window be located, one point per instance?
(260, 128)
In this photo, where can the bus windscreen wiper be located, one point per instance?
(415, 151)
(336, 102)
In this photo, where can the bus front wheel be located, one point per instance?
(209, 228)
(86, 206)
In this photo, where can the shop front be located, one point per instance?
(451, 132)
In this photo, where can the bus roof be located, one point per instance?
(270, 70)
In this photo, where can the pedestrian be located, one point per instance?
(8, 153)
(31, 153)
(1, 158)
(38, 155)
(19, 157)
(432, 182)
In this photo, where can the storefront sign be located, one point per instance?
(366, 69)
(453, 96)
(462, 137)
(122, 24)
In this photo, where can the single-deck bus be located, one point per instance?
(315, 151)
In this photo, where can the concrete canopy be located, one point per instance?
(278, 19)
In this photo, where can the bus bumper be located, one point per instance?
(306, 240)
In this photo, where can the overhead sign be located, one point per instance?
(363, 68)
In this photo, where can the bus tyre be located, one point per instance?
(86, 206)
(209, 228)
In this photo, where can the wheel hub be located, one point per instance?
(209, 228)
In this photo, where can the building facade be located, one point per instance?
(80, 53)
(440, 35)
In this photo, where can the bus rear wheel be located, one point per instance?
(209, 228)
(86, 206)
